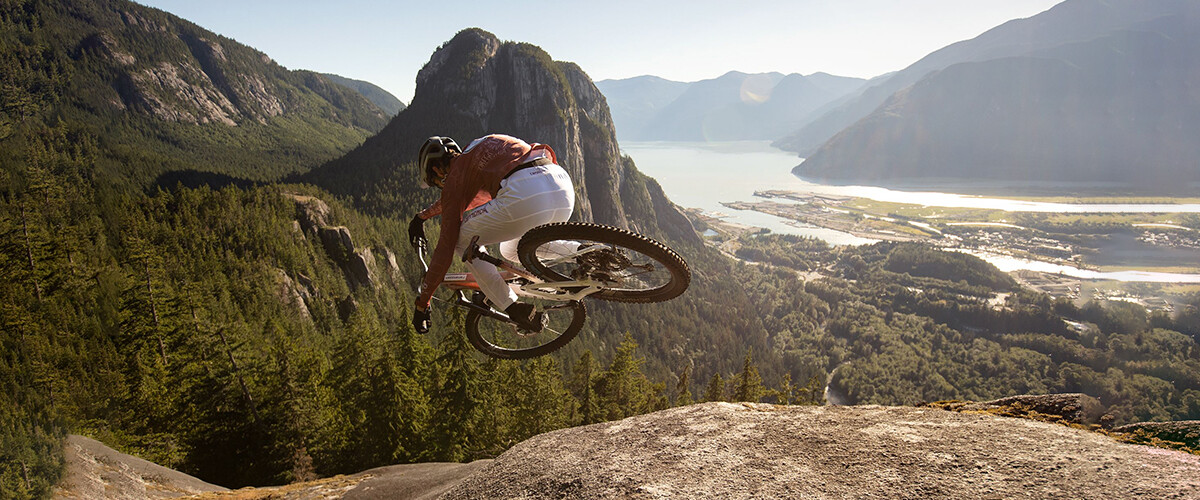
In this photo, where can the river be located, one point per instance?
(702, 175)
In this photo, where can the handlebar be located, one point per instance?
(422, 247)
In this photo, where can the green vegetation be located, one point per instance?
(899, 338)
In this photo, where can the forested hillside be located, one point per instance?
(161, 94)
(386, 102)
(904, 323)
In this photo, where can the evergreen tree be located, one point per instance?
(581, 386)
(715, 391)
(455, 401)
(542, 402)
(749, 384)
(623, 389)
(786, 392)
(683, 393)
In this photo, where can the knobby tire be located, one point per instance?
(671, 261)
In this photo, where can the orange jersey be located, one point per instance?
(474, 179)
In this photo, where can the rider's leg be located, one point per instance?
(523, 202)
(548, 250)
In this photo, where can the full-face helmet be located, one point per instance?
(435, 159)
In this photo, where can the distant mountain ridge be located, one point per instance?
(1118, 108)
(734, 106)
(1067, 22)
(168, 94)
(379, 97)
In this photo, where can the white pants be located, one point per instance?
(528, 198)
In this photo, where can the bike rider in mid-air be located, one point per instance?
(497, 189)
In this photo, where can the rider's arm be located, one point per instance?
(431, 211)
(452, 205)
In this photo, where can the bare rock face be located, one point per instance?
(723, 450)
(727, 450)
(94, 470)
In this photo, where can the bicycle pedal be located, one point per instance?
(540, 320)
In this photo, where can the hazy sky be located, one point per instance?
(387, 42)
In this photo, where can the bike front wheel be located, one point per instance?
(503, 339)
(629, 266)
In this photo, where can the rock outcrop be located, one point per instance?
(363, 267)
(476, 85)
(94, 470)
(724, 450)
(750, 450)
(1184, 435)
(1073, 408)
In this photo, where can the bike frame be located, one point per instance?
(560, 291)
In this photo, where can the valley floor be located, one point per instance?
(1085, 241)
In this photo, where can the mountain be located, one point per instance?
(1117, 108)
(634, 101)
(475, 85)
(1068, 22)
(383, 99)
(734, 106)
(169, 95)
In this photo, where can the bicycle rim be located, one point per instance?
(631, 267)
(503, 339)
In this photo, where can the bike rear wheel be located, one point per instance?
(632, 268)
(499, 338)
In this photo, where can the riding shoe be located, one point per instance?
(524, 316)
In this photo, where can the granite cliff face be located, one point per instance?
(476, 85)
(169, 100)
(149, 62)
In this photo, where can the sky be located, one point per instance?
(387, 42)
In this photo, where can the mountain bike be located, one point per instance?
(562, 263)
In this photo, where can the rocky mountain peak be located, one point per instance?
(149, 62)
(475, 85)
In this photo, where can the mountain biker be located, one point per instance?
(497, 189)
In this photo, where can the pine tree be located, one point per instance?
(623, 389)
(542, 402)
(683, 393)
(786, 392)
(582, 386)
(455, 400)
(749, 386)
(715, 391)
